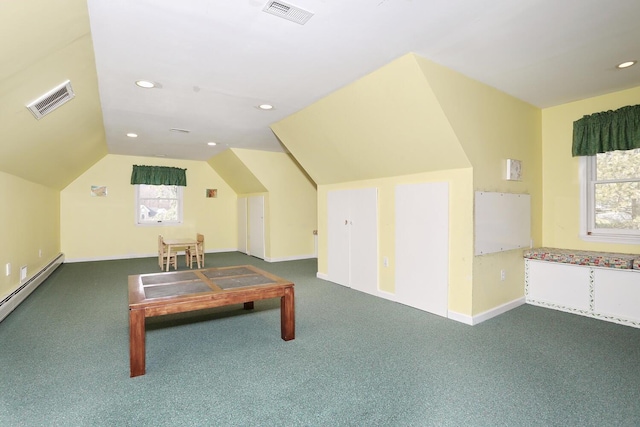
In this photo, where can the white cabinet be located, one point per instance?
(603, 293)
(352, 238)
(560, 285)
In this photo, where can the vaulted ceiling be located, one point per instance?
(214, 62)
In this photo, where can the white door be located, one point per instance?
(352, 239)
(364, 240)
(422, 246)
(256, 226)
(242, 225)
(338, 250)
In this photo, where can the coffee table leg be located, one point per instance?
(136, 342)
(287, 315)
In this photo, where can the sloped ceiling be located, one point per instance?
(216, 60)
(236, 173)
(388, 123)
(45, 43)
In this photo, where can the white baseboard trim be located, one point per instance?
(22, 291)
(291, 258)
(214, 251)
(459, 317)
(110, 258)
(217, 251)
(388, 296)
(486, 315)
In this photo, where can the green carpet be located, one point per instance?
(357, 360)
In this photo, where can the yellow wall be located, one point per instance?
(51, 43)
(492, 127)
(235, 173)
(29, 222)
(460, 229)
(414, 115)
(386, 124)
(104, 227)
(291, 205)
(561, 181)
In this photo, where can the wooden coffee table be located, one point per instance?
(158, 294)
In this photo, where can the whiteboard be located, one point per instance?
(502, 222)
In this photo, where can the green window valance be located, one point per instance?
(158, 175)
(607, 131)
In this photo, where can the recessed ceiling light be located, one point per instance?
(265, 107)
(627, 64)
(211, 143)
(132, 135)
(145, 84)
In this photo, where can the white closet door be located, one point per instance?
(352, 227)
(242, 225)
(338, 214)
(422, 246)
(256, 226)
(364, 240)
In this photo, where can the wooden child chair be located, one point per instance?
(192, 254)
(163, 260)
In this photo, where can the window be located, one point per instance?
(611, 197)
(158, 204)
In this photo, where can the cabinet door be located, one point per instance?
(338, 215)
(256, 226)
(352, 234)
(422, 246)
(364, 240)
(242, 225)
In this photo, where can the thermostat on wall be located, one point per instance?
(514, 170)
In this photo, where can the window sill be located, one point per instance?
(158, 224)
(611, 238)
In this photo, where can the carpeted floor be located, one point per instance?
(357, 360)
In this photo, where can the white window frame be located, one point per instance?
(157, 223)
(588, 231)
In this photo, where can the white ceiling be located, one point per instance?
(216, 60)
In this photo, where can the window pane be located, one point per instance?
(618, 165)
(158, 191)
(618, 205)
(158, 203)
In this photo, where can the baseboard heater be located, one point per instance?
(11, 301)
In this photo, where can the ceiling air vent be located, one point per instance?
(287, 11)
(51, 100)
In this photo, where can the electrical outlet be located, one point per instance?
(503, 275)
(385, 261)
(7, 268)
(39, 253)
(23, 273)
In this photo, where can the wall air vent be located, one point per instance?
(51, 100)
(287, 11)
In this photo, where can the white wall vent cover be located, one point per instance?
(51, 100)
(287, 11)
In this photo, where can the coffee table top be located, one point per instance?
(146, 289)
